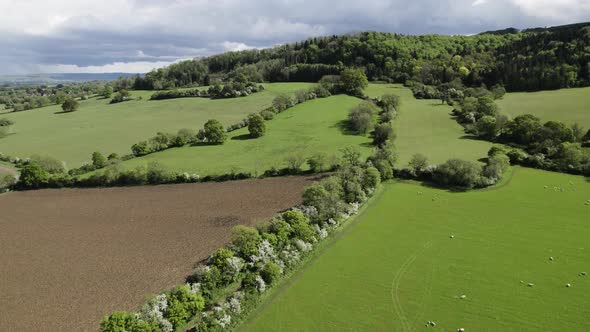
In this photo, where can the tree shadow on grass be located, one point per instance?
(243, 137)
(62, 112)
(345, 128)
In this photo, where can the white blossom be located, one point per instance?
(234, 266)
(265, 253)
(261, 285)
(235, 305)
(303, 246)
(155, 309)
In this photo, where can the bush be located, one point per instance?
(7, 181)
(122, 321)
(50, 164)
(418, 163)
(301, 229)
(158, 174)
(141, 149)
(390, 102)
(256, 126)
(458, 173)
(496, 166)
(32, 176)
(183, 305)
(318, 163)
(98, 160)
(294, 163)
(362, 117)
(281, 103)
(121, 96)
(270, 272)
(383, 133)
(353, 82)
(70, 105)
(184, 137)
(213, 132)
(246, 240)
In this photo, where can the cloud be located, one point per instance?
(88, 35)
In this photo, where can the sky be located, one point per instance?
(83, 36)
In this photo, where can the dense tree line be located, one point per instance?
(519, 60)
(22, 98)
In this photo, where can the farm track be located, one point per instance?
(69, 257)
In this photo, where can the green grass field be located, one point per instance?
(566, 105)
(98, 126)
(397, 266)
(304, 130)
(425, 126)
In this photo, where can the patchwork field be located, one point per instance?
(426, 127)
(304, 130)
(566, 105)
(461, 260)
(99, 126)
(69, 257)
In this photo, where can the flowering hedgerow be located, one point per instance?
(223, 291)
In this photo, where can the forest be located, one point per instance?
(528, 60)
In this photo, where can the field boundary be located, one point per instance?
(288, 280)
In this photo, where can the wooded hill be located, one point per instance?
(528, 60)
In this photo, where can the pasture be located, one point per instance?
(567, 105)
(426, 127)
(491, 260)
(69, 257)
(99, 126)
(304, 130)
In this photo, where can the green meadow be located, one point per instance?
(304, 130)
(491, 260)
(566, 105)
(426, 127)
(99, 126)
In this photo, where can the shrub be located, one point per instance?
(390, 102)
(6, 181)
(50, 164)
(32, 176)
(318, 163)
(158, 174)
(122, 321)
(496, 166)
(353, 81)
(70, 105)
(458, 173)
(219, 258)
(183, 305)
(383, 133)
(270, 272)
(246, 240)
(141, 149)
(281, 230)
(121, 96)
(294, 162)
(268, 114)
(362, 117)
(496, 149)
(98, 160)
(183, 137)
(213, 132)
(418, 163)
(281, 103)
(256, 125)
(371, 178)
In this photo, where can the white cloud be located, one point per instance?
(117, 67)
(479, 2)
(233, 46)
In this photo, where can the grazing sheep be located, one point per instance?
(568, 285)
(452, 236)
(531, 284)
(460, 329)
(551, 258)
(432, 324)
(546, 187)
(462, 297)
(584, 273)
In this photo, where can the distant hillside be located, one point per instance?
(35, 79)
(527, 60)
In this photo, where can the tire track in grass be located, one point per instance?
(397, 306)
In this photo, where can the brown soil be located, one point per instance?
(69, 257)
